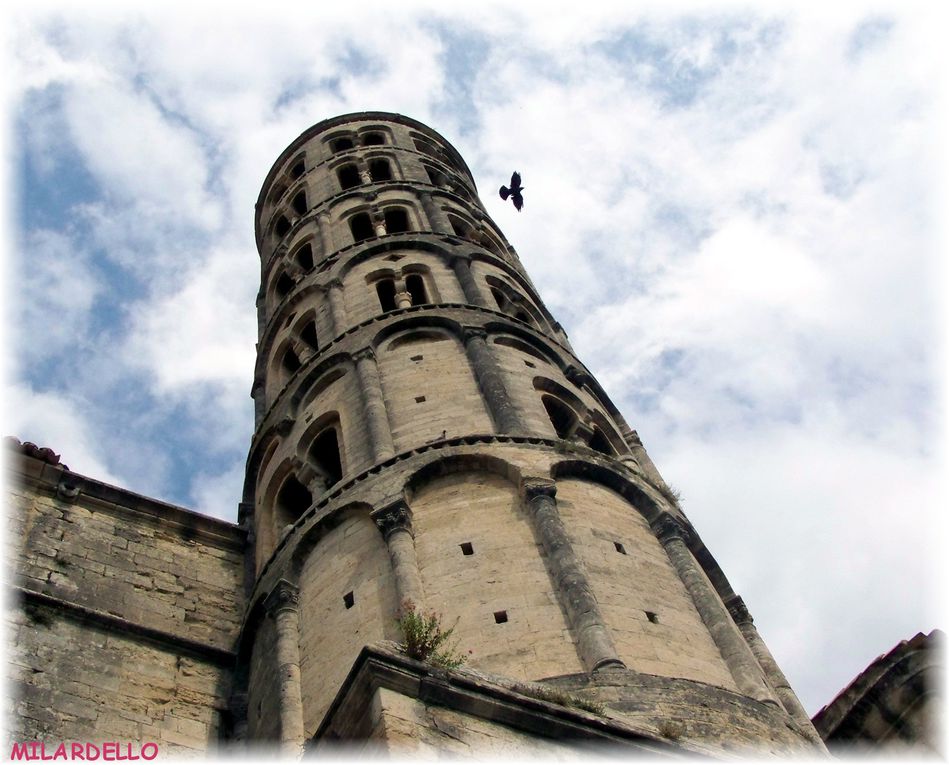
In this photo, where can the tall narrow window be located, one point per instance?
(308, 336)
(348, 177)
(397, 220)
(324, 456)
(297, 170)
(379, 170)
(385, 289)
(284, 285)
(283, 226)
(291, 362)
(499, 297)
(361, 226)
(304, 257)
(299, 203)
(561, 416)
(293, 500)
(600, 443)
(416, 288)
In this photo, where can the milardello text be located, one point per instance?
(107, 750)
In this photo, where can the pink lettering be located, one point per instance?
(90, 748)
(154, 750)
(19, 752)
(60, 753)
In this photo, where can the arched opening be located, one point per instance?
(304, 256)
(561, 416)
(499, 298)
(297, 170)
(284, 285)
(348, 176)
(341, 144)
(397, 220)
(282, 227)
(361, 227)
(291, 362)
(425, 147)
(385, 289)
(600, 443)
(373, 139)
(415, 286)
(323, 454)
(293, 500)
(380, 170)
(521, 315)
(299, 203)
(460, 228)
(308, 336)
(436, 177)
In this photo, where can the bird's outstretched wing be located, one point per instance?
(505, 192)
(518, 201)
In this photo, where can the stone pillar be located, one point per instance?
(741, 663)
(334, 291)
(395, 524)
(462, 268)
(492, 385)
(782, 688)
(437, 220)
(282, 604)
(326, 233)
(377, 420)
(403, 299)
(594, 643)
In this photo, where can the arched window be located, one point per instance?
(293, 500)
(436, 177)
(291, 362)
(283, 226)
(380, 170)
(397, 220)
(284, 285)
(561, 416)
(385, 289)
(599, 443)
(499, 298)
(459, 226)
(304, 256)
(297, 170)
(308, 335)
(299, 203)
(323, 454)
(341, 144)
(415, 286)
(373, 139)
(361, 226)
(348, 176)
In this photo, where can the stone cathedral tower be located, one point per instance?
(425, 433)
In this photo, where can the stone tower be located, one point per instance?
(425, 433)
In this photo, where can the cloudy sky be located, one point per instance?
(733, 211)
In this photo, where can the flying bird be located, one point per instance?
(514, 192)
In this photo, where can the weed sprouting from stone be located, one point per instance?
(425, 639)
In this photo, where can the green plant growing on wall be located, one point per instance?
(425, 639)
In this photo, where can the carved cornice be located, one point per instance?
(394, 517)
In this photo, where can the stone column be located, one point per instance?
(594, 643)
(282, 604)
(738, 657)
(395, 524)
(403, 299)
(334, 291)
(370, 387)
(492, 385)
(437, 220)
(326, 233)
(462, 268)
(782, 688)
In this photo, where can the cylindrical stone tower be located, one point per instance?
(425, 433)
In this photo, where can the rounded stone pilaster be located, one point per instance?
(394, 522)
(282, 604)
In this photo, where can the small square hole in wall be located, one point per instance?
(528, 363)
(416, 358)
(653, 617)
(619, 548)
(466, 548)
(419, 399)
(349, 600)
(500, 617)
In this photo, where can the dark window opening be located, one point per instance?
(348, 177)
(425, 147)
(397, 220)
(278, 192)
(349, 600)
(653, 617)
(324, 456)
(416, 288)
(308, 336)
(459, 227)
(284, 285)
(297, 170)
(500, 617)
(420, 399)
(283, 226)
(299, 203)
(600, 443)
(373, 139)
(385, 289)
(289, 319)
(619, 548)
(305, 257)
(341, 144)
(499, 297)
(379, 170)
(561, 416)
(466, 548)
(521, 315)
(361, 226)
(436, 177)
(293, 499)
(291, 362)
